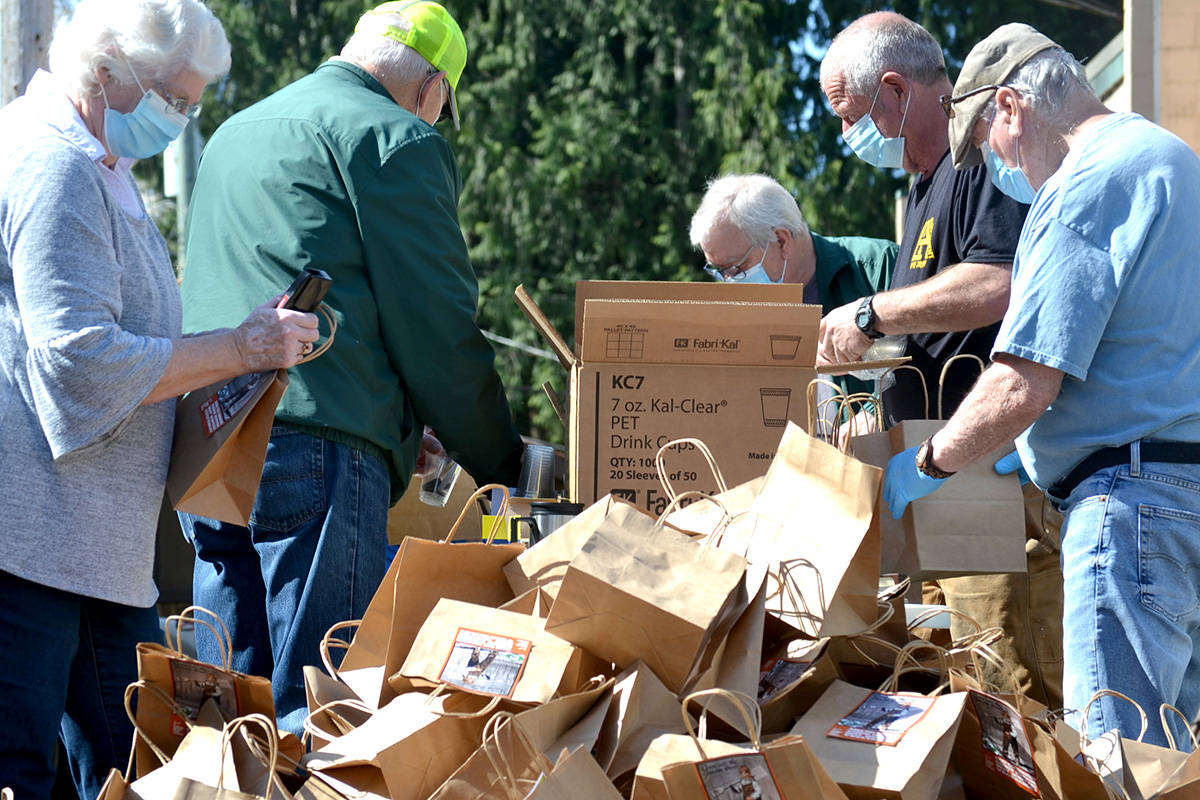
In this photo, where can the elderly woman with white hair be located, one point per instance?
(93, 359)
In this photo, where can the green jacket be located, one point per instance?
(850, 267)
(330, 172)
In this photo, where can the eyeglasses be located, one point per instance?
(179, 105)
(736, 271)
(948, 101)
(445, 112)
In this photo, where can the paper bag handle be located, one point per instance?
(660, 465)
(327, 313)
(814, 411)
(1162, 715)
(1083, 726)
(788, 587)
(846, 409)
(921, 375)
(501, 512)
(930, 613)
(906, 663)
(982, 652)
(224, 640)
(311, 729)
(330, 641)
(716, 533)
(946, 368)
(501, 764)
(483, 712)
(159, 693)
(272, 736)
(747, 706)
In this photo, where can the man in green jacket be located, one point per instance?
(344, 171)
(751, 231)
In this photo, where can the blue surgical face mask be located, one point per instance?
(873, 147)
(147, 130)
(1010, 180)
(758, 273)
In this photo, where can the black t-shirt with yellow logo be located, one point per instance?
(952, 217)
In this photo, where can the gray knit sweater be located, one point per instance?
(88, 307)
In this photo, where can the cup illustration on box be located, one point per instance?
(775, 404)
(784, 347)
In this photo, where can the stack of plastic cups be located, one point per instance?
(537, 472)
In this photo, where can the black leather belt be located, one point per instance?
(1168, 452)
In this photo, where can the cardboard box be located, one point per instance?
(656, 361)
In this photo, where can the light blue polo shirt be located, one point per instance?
(1106, 288)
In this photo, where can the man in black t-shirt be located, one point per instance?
(884, 76)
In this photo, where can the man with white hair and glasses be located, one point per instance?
(343, 170)
(1096, 368)
(750, 230)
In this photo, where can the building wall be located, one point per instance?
(1179, 69)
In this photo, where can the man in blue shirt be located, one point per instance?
(1096, 366)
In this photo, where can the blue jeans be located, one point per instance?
(312, 556)
(65, 661)
(1131, 572)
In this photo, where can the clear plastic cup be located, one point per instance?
(440, 477)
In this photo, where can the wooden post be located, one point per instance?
(25, 30)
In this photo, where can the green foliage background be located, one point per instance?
(590, 129)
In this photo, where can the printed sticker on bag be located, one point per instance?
(1006, 747)
(778, 674)
(230, 399)
(882, 718)
(486, 663)
(738, 777)
(195, 683)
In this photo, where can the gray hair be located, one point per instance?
(754, 204)
(156, 39)
(1048, 82)
(883, 42)
(399, 62)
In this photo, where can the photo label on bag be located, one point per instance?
(486, 663)
(882, 718)
(1005, 744)
(231, 399)
(195, 683)
(738, 777)
(778, 674)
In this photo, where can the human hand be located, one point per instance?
(840, 341)
(862, 423)
(430, 446)
(273, 338)
(903, 482)
(1012, 463)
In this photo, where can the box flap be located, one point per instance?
(565, 355)
(688, 331)
(681, 290)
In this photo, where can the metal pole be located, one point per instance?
(25, 30)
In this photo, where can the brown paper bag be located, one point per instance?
(408, 748)
(641, 710)
(487, 651)
(646, 592)
(792, 681)
(189, 683)
(993, 750)
(544, 564)
(811, 528)
(881, 744)
(785, 769)
(973, 524)
(518, 752)
(220, 445)
(421, 574)
(575, 775)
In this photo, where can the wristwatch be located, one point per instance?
(866, 319)
(925, 461)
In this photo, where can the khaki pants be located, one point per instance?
(1027, 607)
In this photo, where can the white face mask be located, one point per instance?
(865, 139)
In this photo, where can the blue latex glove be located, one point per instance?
(903, 482)
(1012, 463)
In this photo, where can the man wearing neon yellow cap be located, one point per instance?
(344, 170)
